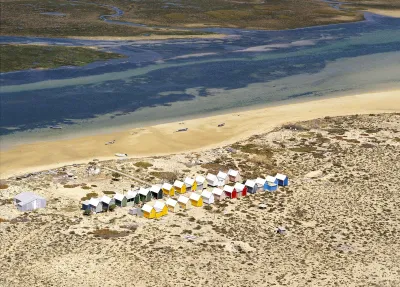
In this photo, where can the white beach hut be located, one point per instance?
(212, 180)
(173, 205)
(208, 196)
(218, 193)
(223, 178)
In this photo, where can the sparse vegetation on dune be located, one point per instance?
(341, 206)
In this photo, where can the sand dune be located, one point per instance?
(203, 133)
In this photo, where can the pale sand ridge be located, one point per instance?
(203, 133)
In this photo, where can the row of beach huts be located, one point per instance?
(192, 192)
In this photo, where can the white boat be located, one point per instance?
(121, 154)
(56, 127)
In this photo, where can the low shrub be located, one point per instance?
(143, 164)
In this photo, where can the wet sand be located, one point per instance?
(203, 133)
(390, 13)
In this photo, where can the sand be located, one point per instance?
(340, 211)
(151, 37)
(390, 13)
(203, 133)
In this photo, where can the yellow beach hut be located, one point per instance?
(179, 186)
(148, 211)
(173, 205)
(196, 199)
(190, 183)
(168, 189)
(161, 209)
(184, 202)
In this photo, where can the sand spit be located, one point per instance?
(390, 13)
(150, 37)
(202, 133)
(340, 211)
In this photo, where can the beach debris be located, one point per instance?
(110, 142)
(190, 237)
(121, 154)
(221, 125)
(56, 127)
(231, 150)
(182, 130)
(281, 230)
(262, 206)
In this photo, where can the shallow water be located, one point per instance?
(175, 79)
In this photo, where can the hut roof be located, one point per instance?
(260, 181)
(105, 199)
(212, 177)
(200, 179)
(183, 199)
(228, 188)
(155, 188)
(222, 175)
(189, 181)
(119, 196)
(147, 208)
(26, 197)
(94, 201)
(280, 176)
(131, 194)
(144, 191)
(159, 205)
(206, 194)
(167, 186)
(195, 196)
(250, 183)
(178, 183)
(217, 191)
(233, 172)
(270, 178)
(171, 202)
(239, 186)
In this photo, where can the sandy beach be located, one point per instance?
(203, 133)
(390, 13)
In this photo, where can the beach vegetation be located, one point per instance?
(87, 212)
(106, 233)
(3, 186)
(23, 57)
(143, 164)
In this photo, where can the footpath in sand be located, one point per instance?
(202, 133)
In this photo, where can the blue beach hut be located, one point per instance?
(268, 186)
(271, 179)
(283, 180)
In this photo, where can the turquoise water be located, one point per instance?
(171, 80)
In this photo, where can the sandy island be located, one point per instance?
(203, 133)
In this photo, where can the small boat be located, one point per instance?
(121, 154)
(110, 142)
(182, 130)
(56, 127)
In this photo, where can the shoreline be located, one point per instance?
(151, 37)
(203, 133)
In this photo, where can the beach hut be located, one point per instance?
(179, 186)
(234, 175)
(27, 201)
(283, 180)
(241, 189)
(144, 194)
(260, 182)
(218, 193)
(172, 205)
(196, 199)
(271, 179)
(208, 197)
(168, 189)
(148, 211)
(251, 186)
(268, 186)
(230, 191)
(184, 202)
(212, 180)
(156, 191)
(190, 184)
(132, 197)
(106, 202)
(201, 182)
(223, 178)
(281, 230)
(95, 205)
(161, 208)
(120, 200)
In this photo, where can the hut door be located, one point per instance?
(34, 204)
